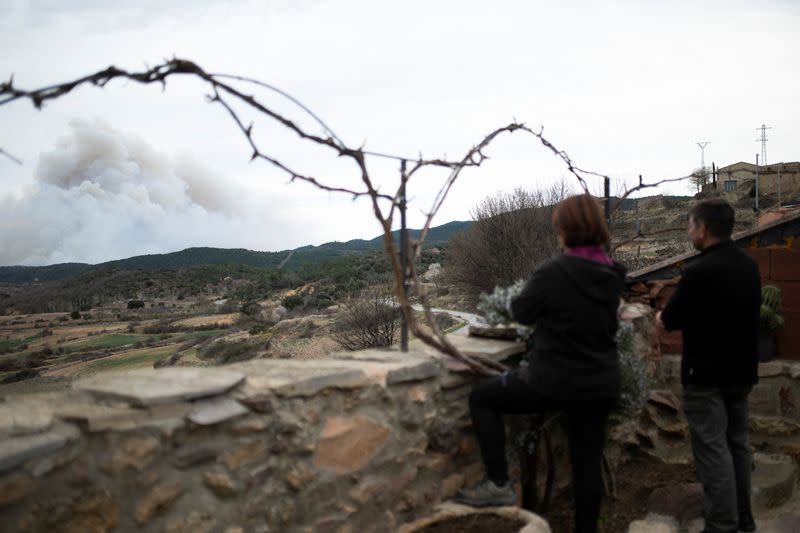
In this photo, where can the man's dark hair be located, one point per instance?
(716, 214)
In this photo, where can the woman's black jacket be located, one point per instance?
(573, 302)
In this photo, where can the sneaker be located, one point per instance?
(487, 494)
(746, 522)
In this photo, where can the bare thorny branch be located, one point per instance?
(225, 94)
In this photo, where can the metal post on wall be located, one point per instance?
(607, 195)
(756, 189)
(403, 254)
(714, 175)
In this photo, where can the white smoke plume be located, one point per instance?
(102, 194)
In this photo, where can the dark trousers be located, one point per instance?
(718, 425)
(586, 425)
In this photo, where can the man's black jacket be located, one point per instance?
(573, 302)
(717, 304)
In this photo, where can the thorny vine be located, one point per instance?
(224, 93)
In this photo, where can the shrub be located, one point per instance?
(135, 304)
(75, 315)
(290, 302)
(511, 234)
(496, 307)
(636, 379)
(370, 321)
(250, 308)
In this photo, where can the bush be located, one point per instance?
(135, 304)
(290, 302)
(250, 308)
(75, 315)
(369, 321)
(511, 234)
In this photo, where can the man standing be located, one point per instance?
(716, 305)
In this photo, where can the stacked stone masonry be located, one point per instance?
(359, 442)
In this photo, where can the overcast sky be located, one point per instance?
(626, 88)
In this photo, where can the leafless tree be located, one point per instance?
(231, 92)
(699, 177)
(371, 320)
(511, 234)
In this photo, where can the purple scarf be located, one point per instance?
(590, 253)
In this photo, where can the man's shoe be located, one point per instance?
(746, 522)
(487, 494)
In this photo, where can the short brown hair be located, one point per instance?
(579, 220)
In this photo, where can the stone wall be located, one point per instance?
(359, 442)
(774, 401)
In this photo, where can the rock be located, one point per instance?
(451, 485)
(195, 522)
(251, 424)
(147, 387)
(369, 490)
(16, 450)
(15, 487)
(348, 444)
(773, 480)
(193, 455)
(156, 501)
(216, 410)
(220, 484)
(260, 403)
(288, 423)
(766, 370)
(96, 513)
(681, 502)
(665, 398)
(135, 453)
(299, 476)
(654, 524)
(442, 435)
(413, 371)
(773, 426)
(102, 417)
(245, 454)
(417, 394)
(279, 313)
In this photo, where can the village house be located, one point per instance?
(777, 178)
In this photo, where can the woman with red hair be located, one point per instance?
(573, 300)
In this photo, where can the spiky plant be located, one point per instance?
(771, 318)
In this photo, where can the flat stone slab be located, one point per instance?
(773, 480)
(393, 366)
(654, 523)
(165, 385)
(20, 418)
(101, 417)
(293, 378)
(494, 349)
(17, 450)
(216, 410)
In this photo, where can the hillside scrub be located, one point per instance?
(370, 321)
(512, 233)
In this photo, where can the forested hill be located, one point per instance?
(191, 257)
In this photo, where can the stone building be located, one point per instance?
(771, 178)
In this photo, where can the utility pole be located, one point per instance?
(702, 145)
(756, 189)
(403, 254)
(763, 140)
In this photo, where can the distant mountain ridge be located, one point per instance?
(198, 256)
